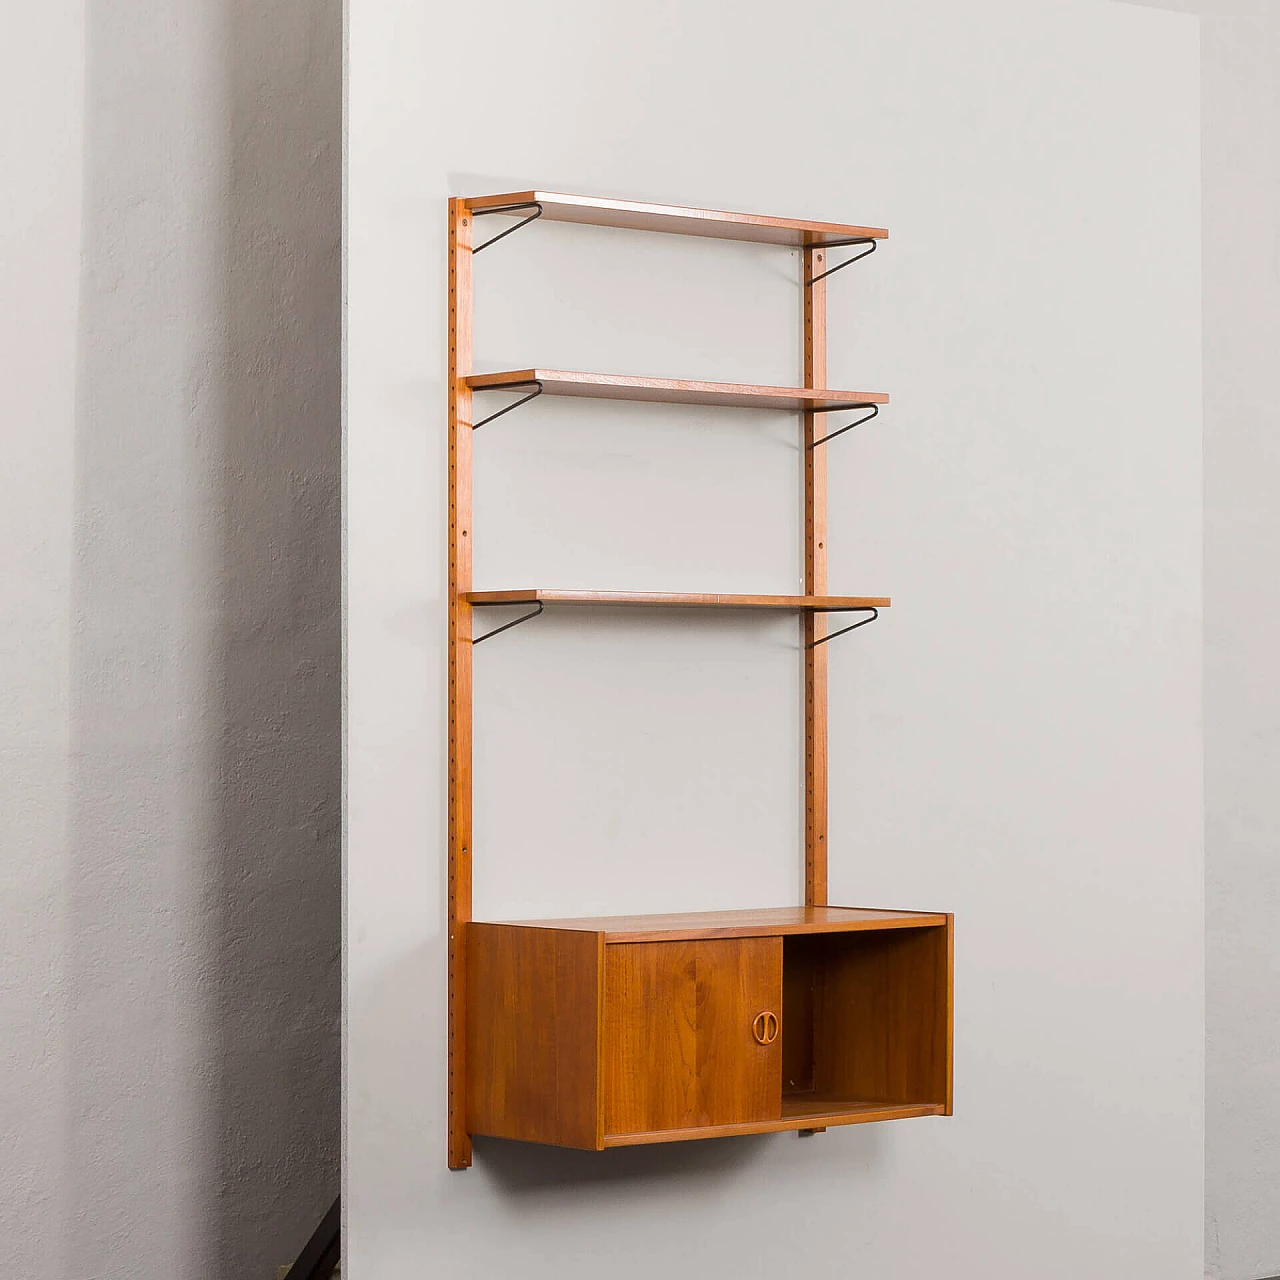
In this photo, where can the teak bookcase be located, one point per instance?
(597, 1033)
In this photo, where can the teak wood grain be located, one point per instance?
(753, 922)
(638, 216)
(611, 386)
(533, 1034)
(813, 626)
(585, 1034)
(675, 599)
(460, 703)
(869, 1019)
(679, 1051)
(794, 1118)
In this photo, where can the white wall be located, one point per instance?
(169, 773)
(1017, 741)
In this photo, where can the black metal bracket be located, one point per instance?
(848, 262)
(506, 626)
(844, 631)
(875, 408)
(510, 386)
(535, 205)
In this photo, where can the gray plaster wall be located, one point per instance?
(1240, 81)
(1240, 142)
(171, 944)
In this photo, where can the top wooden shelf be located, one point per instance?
(678, 220)
(763, 922)
(619, 386)
(678, 599)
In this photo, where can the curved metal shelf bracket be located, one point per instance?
(533, 395)
(844, 631)
(535, 205)
(506, 626)
(848, 262)
(875, 409)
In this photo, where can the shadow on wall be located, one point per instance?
(523, 1171)
(279, 828)
(521, 1168)
(204, 962)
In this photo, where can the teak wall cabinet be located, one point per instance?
(612, 1032)
(597, 1033)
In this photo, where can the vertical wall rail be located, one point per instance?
(815, 583)
(460, 231)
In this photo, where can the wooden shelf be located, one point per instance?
(758, 922)
(821, 1110)
(617, 386)
(678, 599)
(795, 1115)
(635, 216)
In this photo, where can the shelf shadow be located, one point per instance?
(520, 1168)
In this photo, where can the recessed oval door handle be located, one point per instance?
(765, 1027)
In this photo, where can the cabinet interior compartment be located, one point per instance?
(865, 1021)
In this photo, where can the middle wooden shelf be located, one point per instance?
(618, 386)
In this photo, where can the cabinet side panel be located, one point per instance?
(882, 1013)
(947, 965)
(801, 965)
(533, 1034)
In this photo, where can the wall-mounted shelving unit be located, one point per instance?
(597, 1033)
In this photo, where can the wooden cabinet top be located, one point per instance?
(758, 922)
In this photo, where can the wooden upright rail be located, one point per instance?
(814, 337)
(814, 399)
(460, 312)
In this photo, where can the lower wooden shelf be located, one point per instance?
(630, 1030)
(824, 1110)
(795, 1116)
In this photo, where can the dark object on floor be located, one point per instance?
(321, 1253)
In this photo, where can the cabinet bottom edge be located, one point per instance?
(866, 1114)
